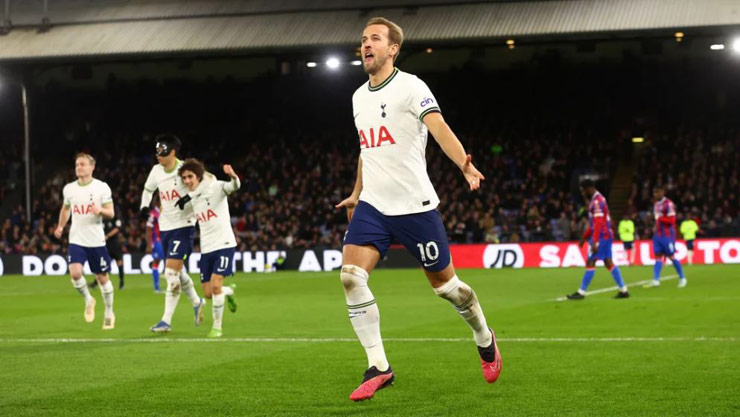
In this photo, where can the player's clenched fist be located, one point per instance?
(228, 170)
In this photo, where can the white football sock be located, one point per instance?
(226, 290)
(171, 295)
(463, 298)
(107, 291)
(188, 288)
(218, 309)
(81, 287)
(364, 314)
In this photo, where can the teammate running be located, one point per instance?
(208, 197)
(177, 228)
(393, 198)
(89, 200)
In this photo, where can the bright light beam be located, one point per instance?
(332, 63)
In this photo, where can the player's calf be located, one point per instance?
(465, 301)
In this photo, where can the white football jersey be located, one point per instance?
(393, 143)
(87, 227)
(171, 188)
(211, 208)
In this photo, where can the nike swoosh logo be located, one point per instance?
(433, 263)
(355, 116)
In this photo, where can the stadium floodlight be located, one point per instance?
(736, 45)
(311, 64)
(717, 47)
(356, 63)
(332, 63)
(638, 140)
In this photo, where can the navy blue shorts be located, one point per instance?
(97, 258)
(690, 244)
(157, 251)
(663, 246)
(178, 243)
(628, 245)
(219, 262)
(423, 234)
(603, 251)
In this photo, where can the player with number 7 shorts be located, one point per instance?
(208, 197)
(176, 226)
(393, 199)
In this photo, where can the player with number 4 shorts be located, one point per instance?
(89, 201)
(394, 200)
(208, 197)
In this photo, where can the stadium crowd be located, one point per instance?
(297, 163)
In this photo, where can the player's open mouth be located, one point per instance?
(369, 57)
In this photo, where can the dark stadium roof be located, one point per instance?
(113, 27)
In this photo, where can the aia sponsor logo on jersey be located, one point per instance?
(370, 141)
(169, 195)
(206, 215)
(82, 209)
(426, 101)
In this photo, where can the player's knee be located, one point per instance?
(173, 280)
(455, 291)
(353, 276)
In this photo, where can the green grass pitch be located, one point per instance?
(663, 352)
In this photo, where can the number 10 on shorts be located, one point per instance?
(429, 251)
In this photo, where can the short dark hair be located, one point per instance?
(588, 183)
(193, 165)
(658, 187)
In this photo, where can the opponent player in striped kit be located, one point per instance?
(600, 237)
(154, 243)
(664, 236)
(393, 198)
(177, 228)
(88, 200)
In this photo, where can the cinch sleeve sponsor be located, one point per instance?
(422, 100)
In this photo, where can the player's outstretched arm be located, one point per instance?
(63, 219)
(235, 183)
(454, 150)
(350, 202)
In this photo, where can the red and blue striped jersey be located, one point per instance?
(153, 222)
(599, 220)
(665, 218)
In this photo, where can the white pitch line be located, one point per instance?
(391, 340)
(629, 284)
